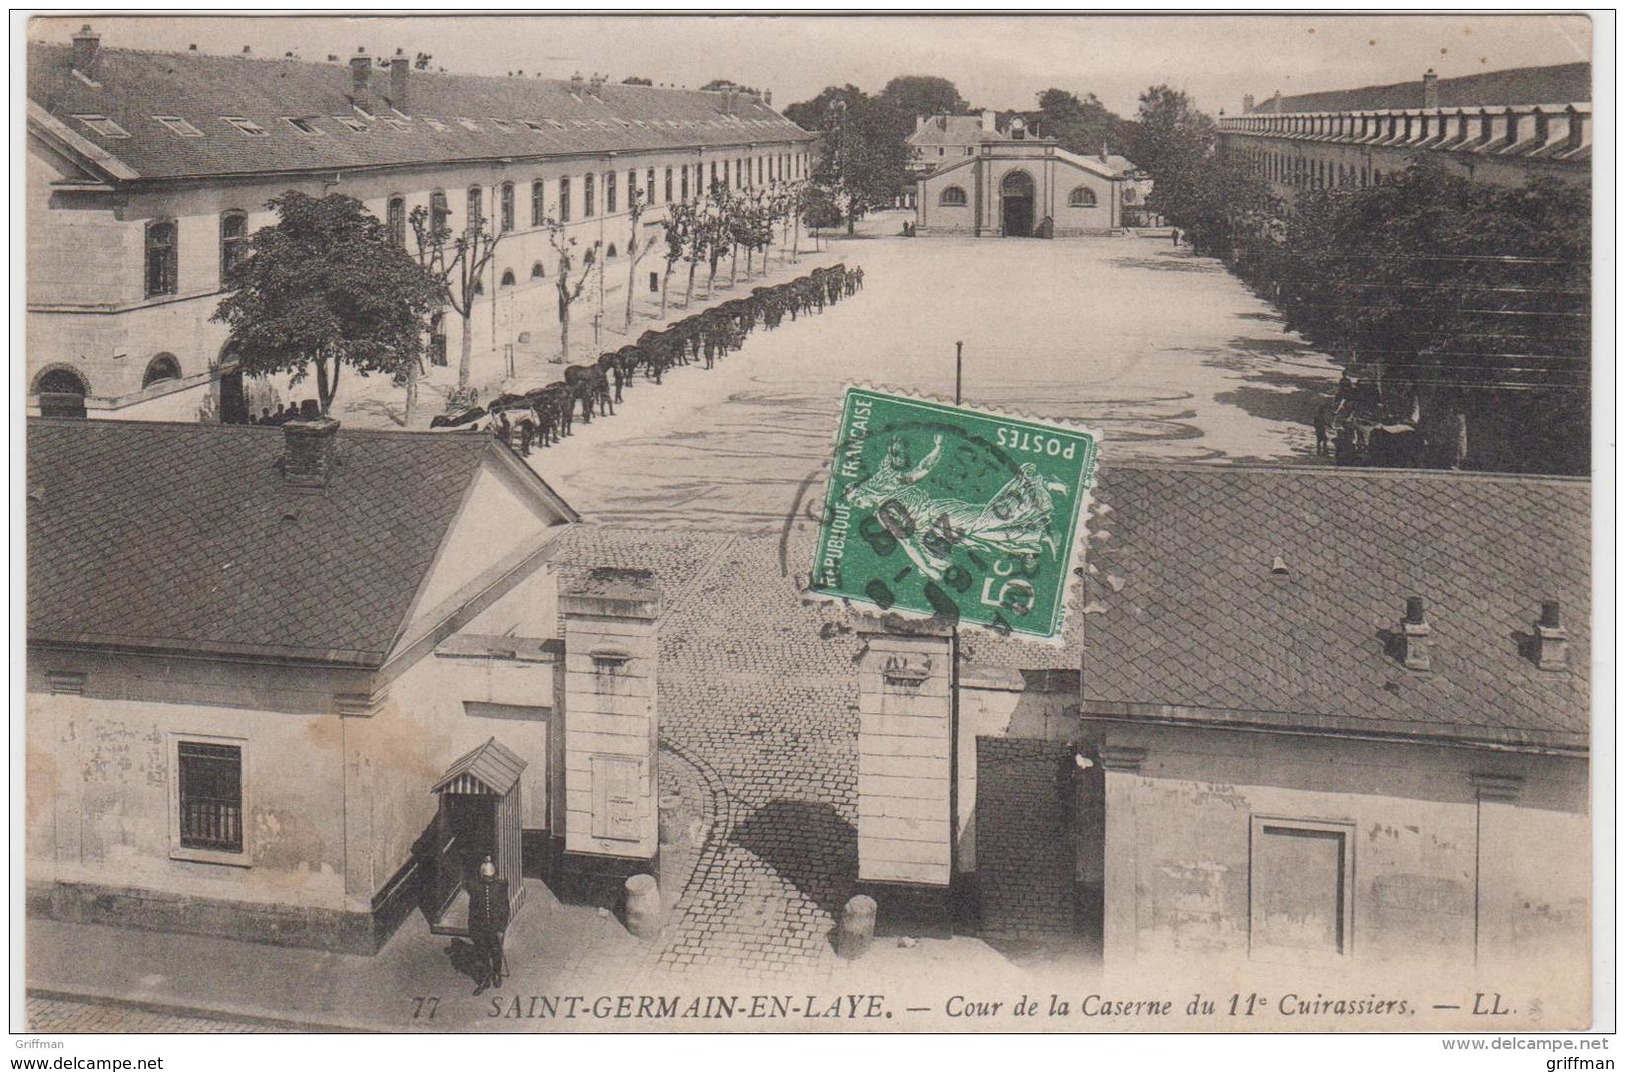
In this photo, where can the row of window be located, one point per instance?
(162, 245)
(364, 122)
(1310, 173)
(1080, 197)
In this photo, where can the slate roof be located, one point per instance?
(951, 130)
(167, 536)
(1562, 83)
(1181, 618)
(135, 86)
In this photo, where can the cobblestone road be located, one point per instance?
(53, 1014)
(758, 693)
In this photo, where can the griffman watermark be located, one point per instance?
(967, 517)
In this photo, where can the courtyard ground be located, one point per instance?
(698, 479)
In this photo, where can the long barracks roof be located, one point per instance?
(1182, 618)
(1563, 83)
(161, 536)
(448, 118)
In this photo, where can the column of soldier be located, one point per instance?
(544, 415)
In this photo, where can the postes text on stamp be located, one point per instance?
(945, 512)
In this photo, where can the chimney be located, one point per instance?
(577, 83)
(399, 72)
(990, 121)
(1413, 635)
(1246, 103)
(596, 86)
(1105, 157)
(360, 79)
(1551, 639)
(1430, 89)
(767, 97)
(87, 47)
(309, 452)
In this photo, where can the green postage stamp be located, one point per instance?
(940, 511)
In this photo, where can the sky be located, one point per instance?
(996, 61)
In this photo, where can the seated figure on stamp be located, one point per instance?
(1015, 522)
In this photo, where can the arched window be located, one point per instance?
(162, 263)
(537, 271)
(564, 199)
(476, 207)
(438, 212)
(953, 196)
(233, 240)
(1129, 195)
(609, 254)
(588, 200)
(507, 277)
(538, 210)
(668, 184)
(609, 193)
(395, 218)
(506, 219)
(61, 393)
(163, 367)
(1081, 197)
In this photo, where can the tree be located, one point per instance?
(636, 202)
(564, 246)
(1080, 126)
(322, 288)
(863, 158)
(1173, 141)
(680, 219)
(912, 95)
(716, 223)
(635, 80)
(458, 259)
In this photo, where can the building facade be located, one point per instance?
(156, 167)
(1503, 127)
(976, 179)
(292, 684)
(1330, 722)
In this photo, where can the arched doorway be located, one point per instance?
(61, 393)
(1016, 204)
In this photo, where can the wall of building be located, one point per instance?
(1053, 175)
(1179, 819)
(103, 324)
(101, 770)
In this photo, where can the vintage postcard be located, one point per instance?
(466, 592)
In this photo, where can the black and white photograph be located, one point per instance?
(752, 522)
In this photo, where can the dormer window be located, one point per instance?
(303, 126)
(176, 125)
(531, 124)
(399, 122)
(100, 124)
(467, 123)
(247, 126)
(499, 124)
(351, 123)
(436, 124)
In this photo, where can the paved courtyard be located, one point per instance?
(1164, 352)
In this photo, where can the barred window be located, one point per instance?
(952, 196)
(211, 796)
(1081, 197)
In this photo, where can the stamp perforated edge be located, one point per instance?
(1074, 586)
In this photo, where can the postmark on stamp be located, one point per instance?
(946, 512)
